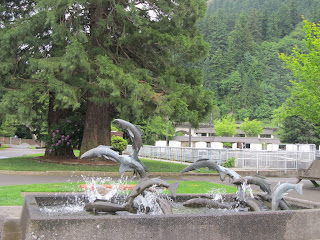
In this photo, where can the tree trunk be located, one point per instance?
(54, 117)
(97, 127)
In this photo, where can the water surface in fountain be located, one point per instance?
(145, 203)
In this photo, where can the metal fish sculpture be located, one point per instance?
(145, 184)
(264, 186)
(127, 163)
(202, 163)
(283, 189)
(97, 207)
(165, 206)
(134, 132)
(253, 205)
(283, 205)
(227, 171)
(102, 151)
(204, 202)
(135, 137)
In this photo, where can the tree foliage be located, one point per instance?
(225, 127)
(243, 68)
(296, 130)
(156, 129)
(304, 100)
(105, 59)
(251, 128)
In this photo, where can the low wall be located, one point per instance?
(271, 225)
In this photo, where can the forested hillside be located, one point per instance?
(243, 67)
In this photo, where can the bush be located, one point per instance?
(118, 144)
(230, 163)
(227, 145)
(65, 136)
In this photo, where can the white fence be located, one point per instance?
(245, 159)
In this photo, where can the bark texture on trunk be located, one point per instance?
(97, 127)
(54, 117)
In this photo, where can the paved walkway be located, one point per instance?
(19, 150)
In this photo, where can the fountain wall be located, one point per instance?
(291, 224)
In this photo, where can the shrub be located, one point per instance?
(118, 144)
(230, 162)
(65, 136)
(227, 145)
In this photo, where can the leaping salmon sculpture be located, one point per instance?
(127, 163)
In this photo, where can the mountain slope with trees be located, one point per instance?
(243, 67)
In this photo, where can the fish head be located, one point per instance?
(88, 207)
(120, 123)
(92, 153)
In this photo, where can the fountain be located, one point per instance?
(143, 213)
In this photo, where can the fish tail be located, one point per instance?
(299, 188)
(173, 188)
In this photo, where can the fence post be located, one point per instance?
(257, 163)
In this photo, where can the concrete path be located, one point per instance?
(18, 150)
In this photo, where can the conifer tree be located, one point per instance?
(115, 58)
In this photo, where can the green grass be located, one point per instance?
(11, 195)
(3, 147)
(25, 163)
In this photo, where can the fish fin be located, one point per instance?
(222, 176)
(123, 168)
(130, 133)
(137, 127)
(259, 176)
(202, 159)
(173, 188)
(284, 194)
(275, 187)
(299, 188)
(143, 179)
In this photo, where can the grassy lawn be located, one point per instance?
(25, 163)
(11, 195)
(3, 147)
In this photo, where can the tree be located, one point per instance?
(251, 128)
(296, 130)
(240, 40)
(225, 127)
(156, 129)
(108, 59)
(304, 100)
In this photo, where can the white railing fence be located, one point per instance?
(245, 159)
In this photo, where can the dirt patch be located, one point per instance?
(74, 161)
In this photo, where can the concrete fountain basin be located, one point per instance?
(291, 224)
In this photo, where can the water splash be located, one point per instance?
(217, 194)
(244, 191)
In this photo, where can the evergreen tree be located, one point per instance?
(254, 25)
(240, 40)
(296, 130)
(295, 18)
(117, 59)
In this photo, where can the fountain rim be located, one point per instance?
(34, 213)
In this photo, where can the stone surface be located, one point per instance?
(271, 225)
(11, 229)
